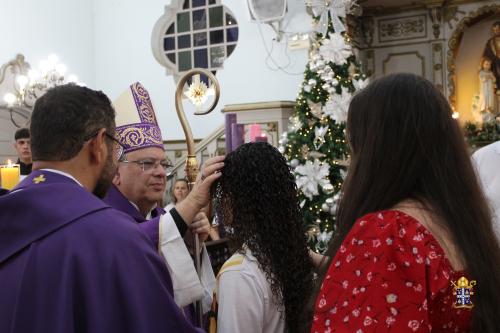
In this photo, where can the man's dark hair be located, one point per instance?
(22, 133)
(64, 117)
(496, 24)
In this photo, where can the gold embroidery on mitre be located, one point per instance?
(155, 135)
(143, 104)
(463, 290)
(139, 136)
(39, 179)
(133, 136)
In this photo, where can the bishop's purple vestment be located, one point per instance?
(117, 200)
(70, 263)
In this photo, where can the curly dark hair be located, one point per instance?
(257, 196)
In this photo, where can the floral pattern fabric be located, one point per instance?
(389, 275)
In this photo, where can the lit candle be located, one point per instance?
(9, 175)
(261, 138)
(254, 132)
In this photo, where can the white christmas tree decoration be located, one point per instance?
(335, 49)
(336, 9)
(360, 83)
(325, 236)
(284, 139)
(311, 175)
(295, 124)
(337, 106)
(320, 136)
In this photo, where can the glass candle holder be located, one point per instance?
(9, 175)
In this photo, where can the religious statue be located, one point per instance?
(492, 52)
(487, 96)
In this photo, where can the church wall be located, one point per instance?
(422, 42)
(402, 42)
(38, 28)
(123, 55)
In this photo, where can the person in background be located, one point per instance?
(23, 148)
(69, 262)
(179, 192)
(414, 231)
(261, 288)
(487, 162)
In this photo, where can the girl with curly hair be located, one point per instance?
(261, 288)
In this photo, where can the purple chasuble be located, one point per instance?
(70, 263)
(118, 201)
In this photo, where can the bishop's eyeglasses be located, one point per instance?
(148, 165)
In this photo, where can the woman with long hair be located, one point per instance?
(180, 190)
(413, 231)
(263, 286)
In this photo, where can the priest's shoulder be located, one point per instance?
(107, 224)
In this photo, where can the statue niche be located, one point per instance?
(489, 77)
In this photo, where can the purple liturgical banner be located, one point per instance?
(237, 135)
(230, 120)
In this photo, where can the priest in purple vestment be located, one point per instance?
(68, 261)
(139, 185)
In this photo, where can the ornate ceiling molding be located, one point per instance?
(398, 6)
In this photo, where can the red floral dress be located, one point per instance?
(389, 275)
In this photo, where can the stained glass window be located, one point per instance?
(203, 34)
(183, 41)
(198, 3)
(183, 22)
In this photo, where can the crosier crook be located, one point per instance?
(191, 168)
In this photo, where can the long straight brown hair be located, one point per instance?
(406, 145)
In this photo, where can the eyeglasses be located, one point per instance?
(148, 165)
(118, 147)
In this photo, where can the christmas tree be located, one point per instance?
(315, 144)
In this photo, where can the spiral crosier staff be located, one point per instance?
(191, 169)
